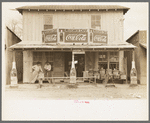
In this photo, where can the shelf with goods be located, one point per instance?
(114, 60)
(103, 60)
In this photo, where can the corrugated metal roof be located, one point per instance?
(31, 45)
(143, 45)
(74, 7)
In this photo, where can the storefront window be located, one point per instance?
(48, 22)
(114, 60)
(95, 21)
(37, 57)
(103, 60)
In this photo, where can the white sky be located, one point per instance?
(135, 19)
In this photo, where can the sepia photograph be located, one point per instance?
(87, 59)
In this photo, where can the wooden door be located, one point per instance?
(89, 61)
(58, 64)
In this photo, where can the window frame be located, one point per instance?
(52, 24)
(95, 20)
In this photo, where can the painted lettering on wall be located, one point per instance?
(52, 37)
(100, 38)
(76, 37)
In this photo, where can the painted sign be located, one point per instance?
(99, 38)
(50, 36)
(78, 52)
(76, 35)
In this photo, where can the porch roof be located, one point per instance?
(37, 45)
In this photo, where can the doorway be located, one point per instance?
(80, 66)
(68, 60)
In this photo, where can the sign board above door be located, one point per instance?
(78, 52)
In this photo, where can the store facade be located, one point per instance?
(53, 34)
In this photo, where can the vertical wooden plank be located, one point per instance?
(27, 64)
(121, 56)
(58, 64)
(30, 32)
(108, 62)
(25, 25)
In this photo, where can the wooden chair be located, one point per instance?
(102, 74)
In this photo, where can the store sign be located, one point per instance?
(78, 52)
(99, 38)
(78, 36)
(50, 36)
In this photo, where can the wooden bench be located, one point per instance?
(50, 79)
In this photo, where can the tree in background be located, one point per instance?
(16, 26)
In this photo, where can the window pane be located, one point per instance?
(93, 24)
(97, 23)
(97, 17)
(48, 27)
(48, 19)
(92, 17)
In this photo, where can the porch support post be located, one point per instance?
(121, 56)
(133, 56)
(73, 71)
(14, 52)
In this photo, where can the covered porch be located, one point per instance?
(95, 57)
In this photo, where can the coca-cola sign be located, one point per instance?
(99, 37)
(51, 38)
(76, 37)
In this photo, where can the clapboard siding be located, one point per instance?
(110, 22)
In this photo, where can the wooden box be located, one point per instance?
(123, 76)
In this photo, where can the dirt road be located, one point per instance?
(84, 91)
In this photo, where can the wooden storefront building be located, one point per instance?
(52, 33)
(138, 39)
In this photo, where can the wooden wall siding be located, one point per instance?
(110, 21)
(19, 65)
(27, 66)
(11, 39)
(89, 60)
(143, 66)
(58, 64)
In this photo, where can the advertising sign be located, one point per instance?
(99, 37)
(77, 36)
(50, 36)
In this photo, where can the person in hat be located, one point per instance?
(36, 70)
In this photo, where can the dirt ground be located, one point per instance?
(83, 91)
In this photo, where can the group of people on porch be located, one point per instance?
(38, 72)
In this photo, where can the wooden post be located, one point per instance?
(108, 54)
(133, 57)
(126, 68)
(14, 52)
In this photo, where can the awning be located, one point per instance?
(54, 46)
(143, 45)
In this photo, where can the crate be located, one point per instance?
(123, 76)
